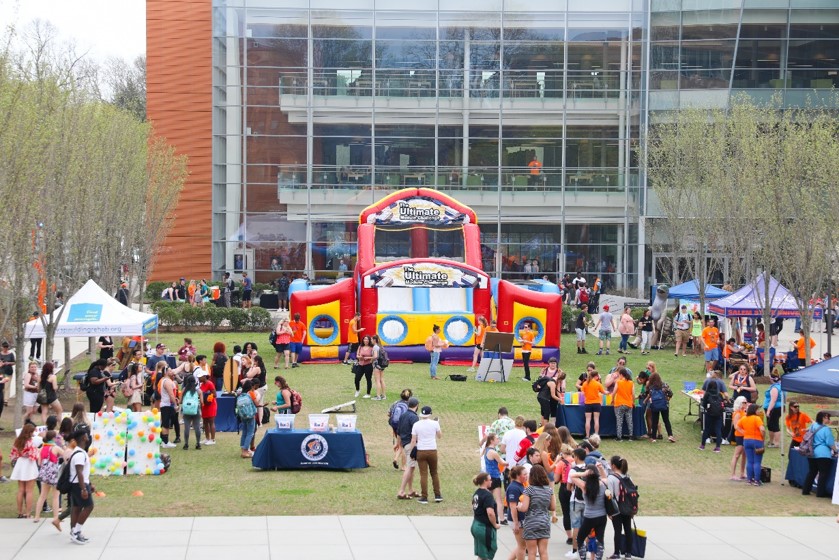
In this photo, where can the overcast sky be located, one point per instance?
(103, 28)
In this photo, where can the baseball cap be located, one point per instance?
(199, 373)
(412, 402)
(684, 307)
(552, 361)
(426, 411)
(605, 308)
(160, 346)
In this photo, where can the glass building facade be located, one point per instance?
(531, 113)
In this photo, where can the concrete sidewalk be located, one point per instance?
(388, 537)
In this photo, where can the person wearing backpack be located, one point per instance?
(380, 363)
(820, 461)
(282, 404)
(246, 413)
(712, 409)
(660, 407)
(192, 402)
(626, 494)
(283, 284)
(394, 413)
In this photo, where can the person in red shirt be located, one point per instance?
(298, 336)
(209, 408)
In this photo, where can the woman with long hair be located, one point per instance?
(822, 459)
(738, 413)
(797, 423)
(485, 520)
(48, 387)
(378, 370)
(135, 386)
(660, 407)
(218, 364)
(646, 324)
(753, 436)
(743, 384)
(26, 458)
(192, 401)
(626, 327)
(364, 368)
(282, 404)
(209, 409)
(110, 385)
(642, 379)
(624, 403)
(281, 342)
(495, 465)
(480, 336)
(539, 502)
(562, 467)
(592, 390)
(48, 475)
(592, 482)
(31, 384)
(622, 524)
(696, 333)
(542, 443)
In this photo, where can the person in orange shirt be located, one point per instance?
(298, 335)
(753, 435)
(480, 336)
(535, 171)
(526, 338)
(797, 423)
(624, 402)
(592, 389)
(739, 408)
(711, 340)
(800, 345)
(352, 336)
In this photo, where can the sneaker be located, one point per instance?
(701, 448)
(210, 442)
(295, 365)
(169, 445)
(584, 351)
(423, 501)
(607, 352)
(47, 509)
(357, 393)
(3, 479)
(615, 556)
(571, 554)
(177, 440)
(627, 557)
(438, 499)
(470, 370)
(504, 522)
(78, 538)
(186, 446)
(198, 446)
(599, 353)
(716, 450)
(367, 396)
(525, 379)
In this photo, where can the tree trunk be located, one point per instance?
(20, 367)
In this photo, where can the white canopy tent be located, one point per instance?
(93, 312)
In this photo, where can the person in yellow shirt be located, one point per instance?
(592, 389)
(801, 346)
(710, 340)
(624, 402)
(526, 338)
(352, 336)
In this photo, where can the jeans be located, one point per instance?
(623, 413)
(624, 340)
(435, 359)
(753, 459)
(248, 428)
(646, 338)
(820, 466)
(525, 359)
(427, 462)
(193, 422)
(713, 424)
(665, 417)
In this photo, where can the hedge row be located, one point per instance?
(188, 317)
(154, 289)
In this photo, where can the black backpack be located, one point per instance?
(712, 400)
(627, 496)
(272, 337)
(384, 361)
(282, 284)
(64, 485)
(540, 384)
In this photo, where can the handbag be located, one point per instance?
(765, 475)
(355, 369)
(42, 396)
(639, 542)
(611, 504)
(760, 450)
(413, 453)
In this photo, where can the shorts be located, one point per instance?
(738, 440)
(773, 420)
(406, 450)
(682, 335)
(712, 355)
(577, 509)
(30, 399)
(246, 295)
(581, 334)
(547, 409)
(479, 347)
(353, 348)
(76, 495)
(593, 407)
(296, 347)
(280, 348)
(605, 335)
(168, 416)
(282, 296)
(496, 483)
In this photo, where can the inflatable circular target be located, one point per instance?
(458, 330)
(393, 330)
(535, 325)
(320, 326)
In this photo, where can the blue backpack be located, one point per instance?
(658, 400)
(191, 403)
(245, 409)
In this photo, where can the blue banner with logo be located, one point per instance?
(84, 313)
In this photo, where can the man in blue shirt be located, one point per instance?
(247, 291)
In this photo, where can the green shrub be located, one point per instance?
(259, 319)
(259, 287)
(192, 316)
(168, 314)
(238, 318)
(214, 316)
(154, 289)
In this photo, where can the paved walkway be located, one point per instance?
(388, 537)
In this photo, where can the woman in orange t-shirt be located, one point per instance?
(480, 336)
(624, 402)
(797, 423)
(739, 412)
(753, 435)
(592, 389)
(526, 338)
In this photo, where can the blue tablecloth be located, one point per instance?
(302, 449)
(798, 467)
(226, 414)
(575, 420)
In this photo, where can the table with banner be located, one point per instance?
(304, 449)
(226, 420)
(575, 420)
(798, 467)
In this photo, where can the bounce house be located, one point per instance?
(419, 265)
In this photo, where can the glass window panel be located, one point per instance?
(705, 79)
(277, 53)
(816, 54)
(759, 53)
(334, 53)
(665, 56)
(814, 79)
(704, 55)
(405, 54)
(665, 25)
(816, 24)
(664, 80)
(710, 24)
(757, 78)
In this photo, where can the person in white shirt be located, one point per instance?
(511, 440)
(81, 494)
(424, 436)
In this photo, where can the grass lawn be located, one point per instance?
(674, 479)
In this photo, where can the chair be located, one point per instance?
(520, 180)
(393, 180)
(442, 180)
(474, 181)
(759, 357)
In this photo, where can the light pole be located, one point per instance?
(829, 307)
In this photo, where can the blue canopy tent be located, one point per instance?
(749, 301)
(690, 291)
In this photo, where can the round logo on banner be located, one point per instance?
(314, 447)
